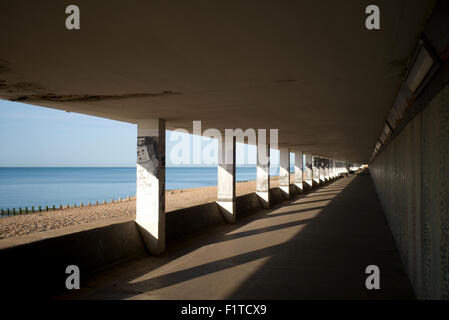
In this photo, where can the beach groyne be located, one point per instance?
(36, 209)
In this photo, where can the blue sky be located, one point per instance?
(36, 136)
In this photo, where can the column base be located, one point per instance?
(264, 198)
(299, 187)
(227, 209)
(285, 190)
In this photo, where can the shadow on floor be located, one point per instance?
(325, 259)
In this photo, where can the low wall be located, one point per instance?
(36, 269)
(183, 222)
(247, 204)
(411, 175)
(276, 196)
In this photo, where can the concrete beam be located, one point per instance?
(226, 178)
(284, 170)
(298, 178)
(307, 174)
(150, 191)
(153, 82)
(263, 174)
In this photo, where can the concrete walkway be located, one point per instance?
(315, 247)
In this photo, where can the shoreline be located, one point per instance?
(11, 212)
(24, 224)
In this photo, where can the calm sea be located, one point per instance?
(27, 187)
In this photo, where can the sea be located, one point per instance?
(22, 187)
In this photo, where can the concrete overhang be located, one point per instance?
(309, 68)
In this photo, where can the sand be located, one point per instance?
(24, 224)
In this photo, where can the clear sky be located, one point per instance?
(35, 136)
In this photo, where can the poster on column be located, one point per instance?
(146, 149)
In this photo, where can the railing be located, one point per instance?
(20, 211)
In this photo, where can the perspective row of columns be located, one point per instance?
(150, 193)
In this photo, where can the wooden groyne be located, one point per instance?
(36, 209)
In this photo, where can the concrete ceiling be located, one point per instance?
(309, 68)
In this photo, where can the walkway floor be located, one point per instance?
(315, 247)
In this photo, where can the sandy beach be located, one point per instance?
(24, 224)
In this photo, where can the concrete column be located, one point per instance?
(150, 192)
(263, 174)
(321, 168)
(333, 176)
(315, 171)
(226, 178)
(335, 169)
(284, 170)
(326, 170)
(298, 171)
(307, 174)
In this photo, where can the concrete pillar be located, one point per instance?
(335, 169)
(263, 173)
(326, 170)
(315, 171)
(333, 175)
(226, 178)
(284, 170)
(321, 168)
(298, 178)
(150, 191)
(307, 174)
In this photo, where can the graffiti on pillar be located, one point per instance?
(147, 154)
(146, 149)
(150, 177)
